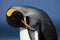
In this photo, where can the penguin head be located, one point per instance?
(15, 16)
(22, 16)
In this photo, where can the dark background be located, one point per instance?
(52, 7)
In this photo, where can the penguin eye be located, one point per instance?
(10, 11)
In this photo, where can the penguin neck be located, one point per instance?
(24, 34)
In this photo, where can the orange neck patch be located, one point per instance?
(10, 11)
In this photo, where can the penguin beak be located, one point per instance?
(26, 25)
(24, 21)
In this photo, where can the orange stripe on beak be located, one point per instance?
(25, 23)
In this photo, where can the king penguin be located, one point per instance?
(34, 23)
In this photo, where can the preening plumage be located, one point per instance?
(36, 18)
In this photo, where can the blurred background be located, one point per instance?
(51, 7)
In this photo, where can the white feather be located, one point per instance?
(24, 34)
(36, 35)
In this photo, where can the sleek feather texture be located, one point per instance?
(39, 20)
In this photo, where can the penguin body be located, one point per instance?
(24, 35)
(38, 20)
